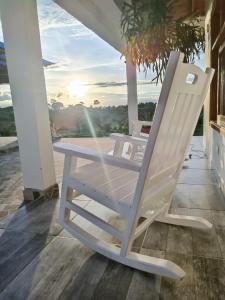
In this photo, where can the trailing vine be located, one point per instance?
(152, 30)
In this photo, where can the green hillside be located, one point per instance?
(81, 121)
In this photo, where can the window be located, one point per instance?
(217, 104)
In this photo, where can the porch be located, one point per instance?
(39, 260)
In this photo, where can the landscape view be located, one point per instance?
(82, 121)
(85, 81)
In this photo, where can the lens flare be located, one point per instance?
(99, 150)
(77, 89)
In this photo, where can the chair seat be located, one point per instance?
(113, 183)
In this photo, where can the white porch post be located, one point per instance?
(24, 61)
(131, 93)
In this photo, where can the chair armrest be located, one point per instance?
(127, 138)
(86, 153)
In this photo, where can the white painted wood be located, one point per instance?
(137, 127)
(170, 134)
(186, 221)
(102, 17)
(127, 138)
(63, 212)
(132, 99)
(135, 260)
(94, 219)
(131, 147)
(24, 62)
(117, 206)
(70, 149)
(134, 190)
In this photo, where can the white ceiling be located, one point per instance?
(101, 16)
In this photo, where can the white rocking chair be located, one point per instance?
(131, 148)
(135, 190)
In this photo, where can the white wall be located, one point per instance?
(213, 141)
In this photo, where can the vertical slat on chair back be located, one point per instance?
(176, 116)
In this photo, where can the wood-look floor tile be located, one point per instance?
(17, 250)
(198, 196)
(50, 272)
(114, 283)
(156, 236)
(209, 278)
(197, 176)
(218, 218)
(144, 286)
(83, 285)
(40, 216)
(179, 240)
(153, 252)
(174, 289)
(195, 163)
(205, 243)
(221, 240)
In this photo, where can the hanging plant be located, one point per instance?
(152, 30)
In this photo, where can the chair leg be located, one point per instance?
(67, 193)
(134, 260)
(67, 211)
(186, 221)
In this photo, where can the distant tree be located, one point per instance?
(59, 95)
(53, 101)
(56, 105)
(73, 122)
(96, 102)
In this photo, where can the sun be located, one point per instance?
(77, 89)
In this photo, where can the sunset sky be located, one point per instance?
(86, 68)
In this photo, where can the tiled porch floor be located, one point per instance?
(39, 260)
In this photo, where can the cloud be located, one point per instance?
(4, 96)
(51, 16)
(108, 84)
(105, 84)
(68, 65)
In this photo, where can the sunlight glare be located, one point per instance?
(77, 89)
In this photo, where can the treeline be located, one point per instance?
(81, 121)
(7, 122)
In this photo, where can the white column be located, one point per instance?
(131, 93)
(24, 60)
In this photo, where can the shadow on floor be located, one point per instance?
(24, 235)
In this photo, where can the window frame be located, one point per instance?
(217, 41)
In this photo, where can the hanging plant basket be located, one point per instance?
(153, 28)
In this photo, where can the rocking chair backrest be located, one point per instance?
(176, 116)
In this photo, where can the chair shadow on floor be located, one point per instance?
(35, 258)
